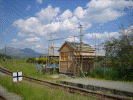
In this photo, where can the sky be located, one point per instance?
(30, 23)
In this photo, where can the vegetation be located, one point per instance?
(28, 69)
(41, 60)
(3, 56)
(119, 57)
(32, 91)
(31, 60)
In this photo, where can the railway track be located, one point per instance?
(71, 89)
(2, 98)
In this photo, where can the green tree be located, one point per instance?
(120, 51)
(119, 54)
(31, 59)
(42, 60)
(56, 61)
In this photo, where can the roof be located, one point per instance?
(76, 46)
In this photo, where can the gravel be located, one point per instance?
(104, 83)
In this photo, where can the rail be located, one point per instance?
(70, 89)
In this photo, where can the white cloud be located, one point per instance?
(25, 35)
(71, 39)
(39, 1)
(47, 14)
(65, 15)
(100, 4)
(79, 12)
(15, 40)
(47, 21)
(21, 35)
(38, 46)
(28, 7)
(33, 39)
(102, 11)
(103, 36)
(30, 26)
(66, 23)
(31, 35)
(103, 4)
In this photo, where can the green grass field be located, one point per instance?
(28, 69)
(32, 91)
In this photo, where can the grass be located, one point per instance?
(32, 91)
(28, 69)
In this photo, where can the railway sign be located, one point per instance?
(17, 76)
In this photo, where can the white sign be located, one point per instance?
(17, 76)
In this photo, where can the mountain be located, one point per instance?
(20, 53)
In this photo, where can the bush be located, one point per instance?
(97, 73)
(31, 59)
(42, 60)
(123, 74)
(111, 75)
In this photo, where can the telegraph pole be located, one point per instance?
(51, 38)
(95, 50)
(81, 44)
(48, 57)
(74, 54)
(5, 52)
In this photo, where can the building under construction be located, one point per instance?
(69, 58)
(75, 58)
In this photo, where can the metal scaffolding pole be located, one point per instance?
(48, 57)
(74, 54)
(81, 61)
(5, 52)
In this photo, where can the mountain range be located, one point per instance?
(20, 53)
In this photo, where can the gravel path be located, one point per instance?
(6, 94)
(104, 83)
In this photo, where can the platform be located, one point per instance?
(113, 87)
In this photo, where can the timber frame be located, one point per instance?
(69, 61)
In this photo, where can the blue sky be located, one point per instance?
(28, 23)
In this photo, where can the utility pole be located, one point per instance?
(48, 57)
(95, 51)
(46, 63)
(74, 54)
(81, 45)
(98, 45)
(5, 52)
(51, 43)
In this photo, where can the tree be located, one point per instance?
(120, 51)
(119, 54)
(56, 61)
(31, 59)
(42, 60)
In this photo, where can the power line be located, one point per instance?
(23, 8)
(65, 38)
(16, 8)
(14, 13)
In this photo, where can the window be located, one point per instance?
(64, 55)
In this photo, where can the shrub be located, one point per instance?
(97, 73)
(31, 59)
(111, 75)
(125, 74)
